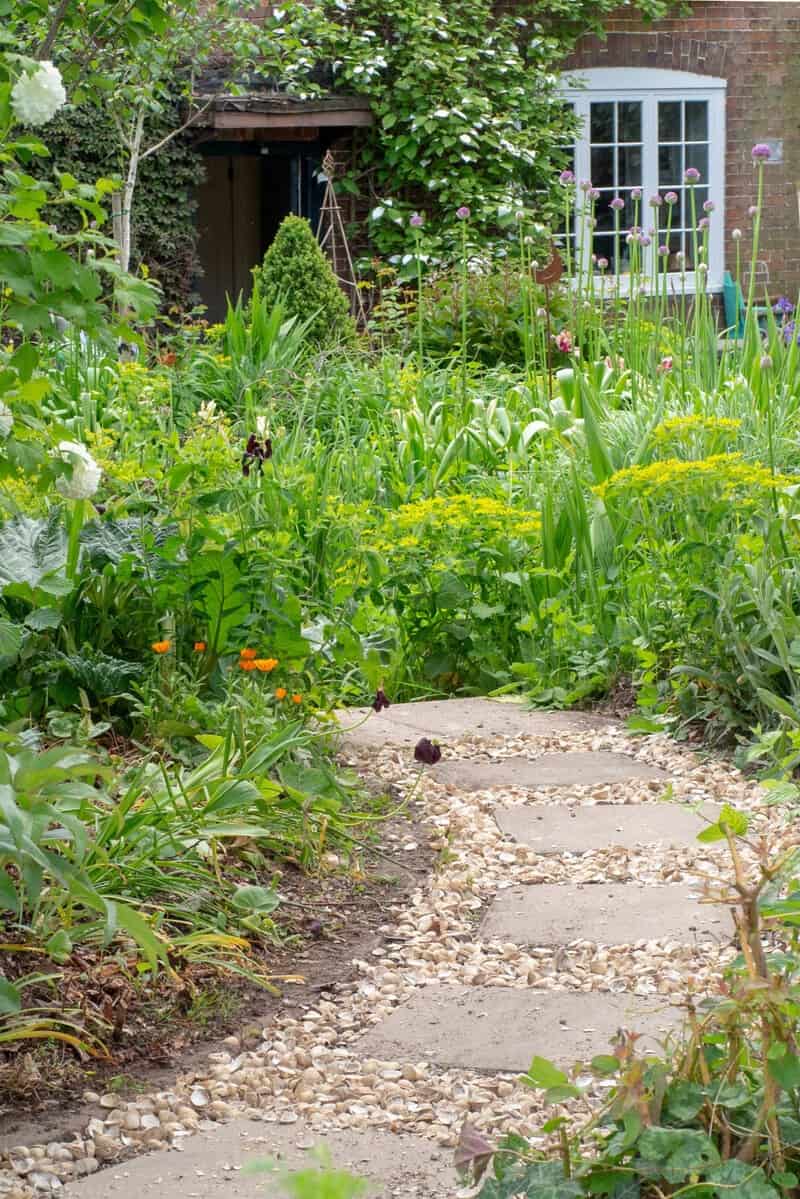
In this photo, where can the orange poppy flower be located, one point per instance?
(199, 647)
(247, 664)
(280, 693)
(297, 699)
(160, 647)
(265, 665)
(248, 654)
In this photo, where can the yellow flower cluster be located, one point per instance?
(721, 476)
(464, 511)
(686, 426)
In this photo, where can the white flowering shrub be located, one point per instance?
(38, 94)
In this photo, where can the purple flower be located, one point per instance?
(593, 193)
(691, 175)
(636, 193)
(655, 201)
(663, 251)
(752, 210)
(617, 203)
(380, 701)
(463, 213)
(761, 152)
(602, 264)
(427, 752)
(783, 306)
(709, 206)
(644, 240)
(671, 197)
(788, 332)
(566, 178)
(415, 220)
(256, 452)
(703, 223)
(585, 185)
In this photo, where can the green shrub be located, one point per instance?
(296, 272)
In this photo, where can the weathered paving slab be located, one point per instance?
(608, 913)
(212, 1164)
(584, 827)
(404, 724)
(502, 1028)
(593, 768)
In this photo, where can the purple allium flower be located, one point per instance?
(644, 240)
(593, 193)
(709, 206)
(617, 203)
(752, 210)
(655, 201)
(566, 178)
(736, 234)
(761, 152)
(602, 263)
(783, 306)
(415, 220)
(663, 251)
(463, 213)
(671, 197)
(691, 175)
(585, 185)
(636, 193)
(766, 362)
(703, 223)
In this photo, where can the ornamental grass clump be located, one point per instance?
(296, 274)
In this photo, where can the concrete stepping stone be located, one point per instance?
(450, 719)
(608, 913)
(211, 1165)
(583, 827)
(593, 768)
(502, 1028)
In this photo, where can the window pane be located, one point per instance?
(669, 121)
(604, 215)
(630, 166)
(669, 166)
(602, 122)
(629, 115)
(696, 120)
(603, 167)
(697, 156)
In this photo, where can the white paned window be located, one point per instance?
(641, 131)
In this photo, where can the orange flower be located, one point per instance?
(297, 699)
(161, 647)
(280, 693)
(265, 665)
(199, 647)
(247, 664)
(248, 654)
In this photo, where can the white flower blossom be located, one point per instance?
(6, 420)
(262, 429)
(86, 474)
(207, 413)
(37, 96)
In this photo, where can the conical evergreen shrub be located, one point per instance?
(296, 272)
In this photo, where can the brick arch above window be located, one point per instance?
(642, 48)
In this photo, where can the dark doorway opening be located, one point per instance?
(248, 190)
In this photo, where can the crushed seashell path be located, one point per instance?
(317, 1075)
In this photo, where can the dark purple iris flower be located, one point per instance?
(788, 333)
(381, 700)
(783, 306)
(256, 452)
(427, 752)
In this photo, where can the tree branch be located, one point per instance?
(186, 124)
(46, 47)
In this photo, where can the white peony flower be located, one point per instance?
(37, 96)
(6, 420)
(85, 477)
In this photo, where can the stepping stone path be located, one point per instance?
(560, 911)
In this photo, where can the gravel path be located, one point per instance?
(430, 991)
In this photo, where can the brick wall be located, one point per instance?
(755, 45)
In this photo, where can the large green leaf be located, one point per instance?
(675, 1153)
(740, 1181)
(34, 553)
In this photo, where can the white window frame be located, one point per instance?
(649, 85)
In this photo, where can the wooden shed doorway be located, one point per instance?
(248, 190)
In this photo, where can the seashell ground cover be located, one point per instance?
(326, 1068)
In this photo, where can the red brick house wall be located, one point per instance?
(755, 46)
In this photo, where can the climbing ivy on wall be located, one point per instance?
(164, 207)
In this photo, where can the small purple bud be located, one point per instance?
(692, 175)
(752, 210)
(602, 264)
(617, 203)
(655, 201)
(636, 193)
(709, 206)
(593, 193)
(671, 197)
(663, 251)
(644, 240)
(761, 152)
(585, 185)
(415, 220)
(703, 223)
(566, 178)
(463, 213)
